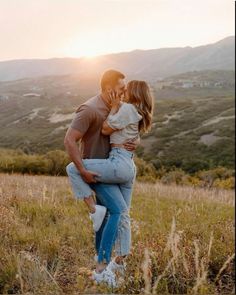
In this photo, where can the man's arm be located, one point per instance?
(70, 142)
(106, 129)
(130, 145)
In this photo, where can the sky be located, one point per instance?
(76, 28)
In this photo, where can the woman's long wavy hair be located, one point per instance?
(139, 94)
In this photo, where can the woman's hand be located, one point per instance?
(89, 176)
(114, 99)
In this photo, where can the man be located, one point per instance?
(86, 127)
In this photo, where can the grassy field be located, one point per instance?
(183, 240)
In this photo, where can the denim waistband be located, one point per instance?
(122, 151)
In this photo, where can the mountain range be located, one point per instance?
(144, 64)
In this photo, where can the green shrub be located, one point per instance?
(57, 161)
(145, 171)
(196, 172)
(175, 176)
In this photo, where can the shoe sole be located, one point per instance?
(111, 285)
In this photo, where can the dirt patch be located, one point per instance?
(56, 118)
(209, 139)
(217, 120)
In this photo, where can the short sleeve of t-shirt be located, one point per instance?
(83, 119)
(126, 115)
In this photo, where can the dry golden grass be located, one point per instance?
(183, 239)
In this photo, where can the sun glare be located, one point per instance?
(89, 51)
(90, 46)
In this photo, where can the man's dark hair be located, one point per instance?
(111, 77)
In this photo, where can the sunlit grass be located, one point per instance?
(183, 240)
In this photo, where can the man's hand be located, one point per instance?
(132, 144)
(89, 176)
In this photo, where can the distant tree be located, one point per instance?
(57, 162)
(193, 165)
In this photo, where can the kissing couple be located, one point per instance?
(102, 172)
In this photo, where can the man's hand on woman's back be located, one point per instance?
(132, 144)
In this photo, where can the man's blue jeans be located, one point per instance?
(118, 168)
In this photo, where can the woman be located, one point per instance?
(127, 119)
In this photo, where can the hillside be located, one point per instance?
(193, 127)
(145, 64)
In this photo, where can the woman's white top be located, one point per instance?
(127, 121)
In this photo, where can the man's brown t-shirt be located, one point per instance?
(88, 120)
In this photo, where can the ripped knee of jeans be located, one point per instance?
(70, 168)
(124, 220)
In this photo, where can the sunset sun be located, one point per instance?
(83, 50)
(86, 48)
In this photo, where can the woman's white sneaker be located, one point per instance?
(98, 216)
(115, 267)
(106, 276)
